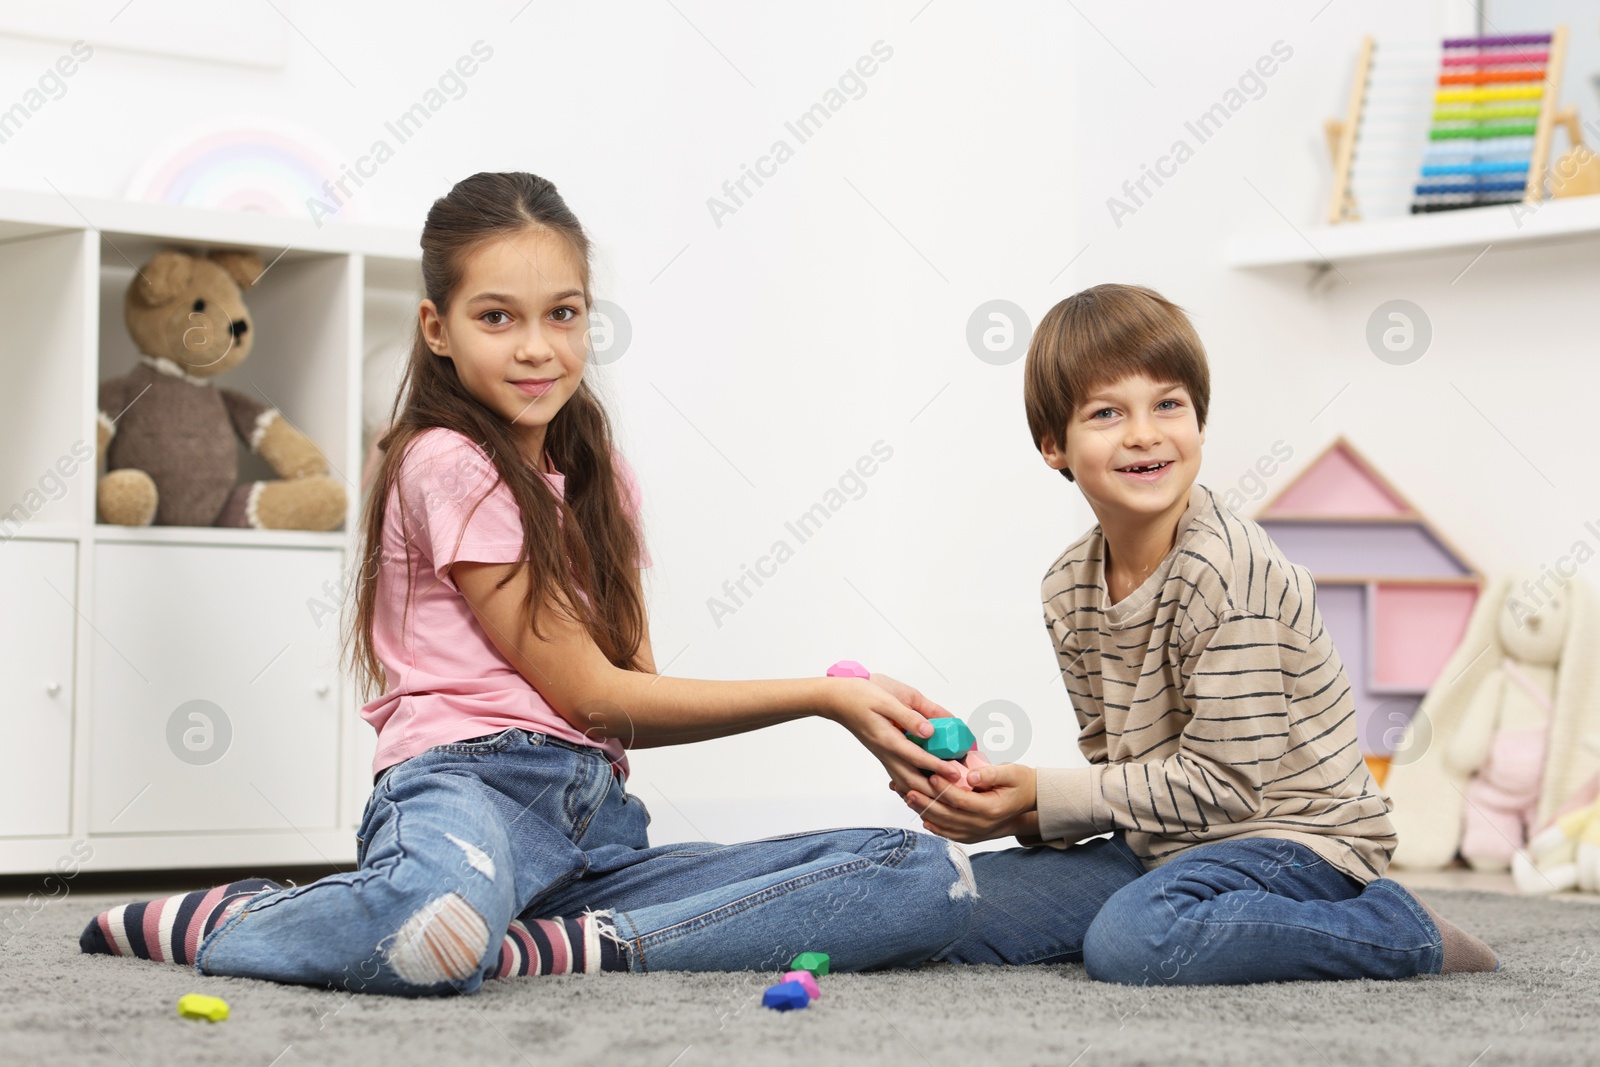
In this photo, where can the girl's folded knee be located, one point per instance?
(444, 941)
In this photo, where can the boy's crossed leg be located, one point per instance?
(1250, 910)
(1265, 909)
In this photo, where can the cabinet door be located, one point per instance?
(216, 689)
(40, 580)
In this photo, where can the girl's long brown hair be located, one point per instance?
(595, 546)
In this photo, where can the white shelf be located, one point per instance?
(176, 850)
(44, 531)
(131, 629)
(106, 533)
(1467, 230)
(24, 214)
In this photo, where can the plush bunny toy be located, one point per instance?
(1496, 747)
(1504, 733)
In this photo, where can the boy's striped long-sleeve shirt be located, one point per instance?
(1211, 703)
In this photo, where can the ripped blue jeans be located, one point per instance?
(458, 841)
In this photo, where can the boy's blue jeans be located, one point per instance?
(458, 841)
(1252, 910)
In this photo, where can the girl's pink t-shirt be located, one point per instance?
(448, 682)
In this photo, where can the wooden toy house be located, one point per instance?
(1394, 593)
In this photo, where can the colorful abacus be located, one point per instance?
(1491, 122)
(1460, 124)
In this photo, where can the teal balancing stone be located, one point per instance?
(951, 739)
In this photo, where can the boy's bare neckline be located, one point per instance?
(1129, 588)
(1113, 597)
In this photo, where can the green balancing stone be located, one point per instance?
(951, 739)
(815, 962)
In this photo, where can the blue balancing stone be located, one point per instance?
(786, 996)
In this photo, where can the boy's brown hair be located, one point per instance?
(1102, 335)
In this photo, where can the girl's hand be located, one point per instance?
(880, 722)
(911, 698)
(998, 805)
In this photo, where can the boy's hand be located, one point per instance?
(880, 720)
(998, 805)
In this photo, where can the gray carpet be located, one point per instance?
(57, 1006)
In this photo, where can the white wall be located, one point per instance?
(830, 310)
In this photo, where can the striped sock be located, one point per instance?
(558, 946)
(169, 929)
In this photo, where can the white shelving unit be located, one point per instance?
(1468, 230)
(109, 631)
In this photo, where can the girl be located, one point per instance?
(502, 621)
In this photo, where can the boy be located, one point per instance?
(1249, 839)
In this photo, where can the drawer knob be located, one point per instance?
(53, 688)
(322, 689)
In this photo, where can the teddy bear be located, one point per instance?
(166, 430)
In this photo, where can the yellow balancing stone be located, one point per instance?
(200, 1006)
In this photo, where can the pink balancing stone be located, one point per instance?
(848, 668)
(807, 979)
